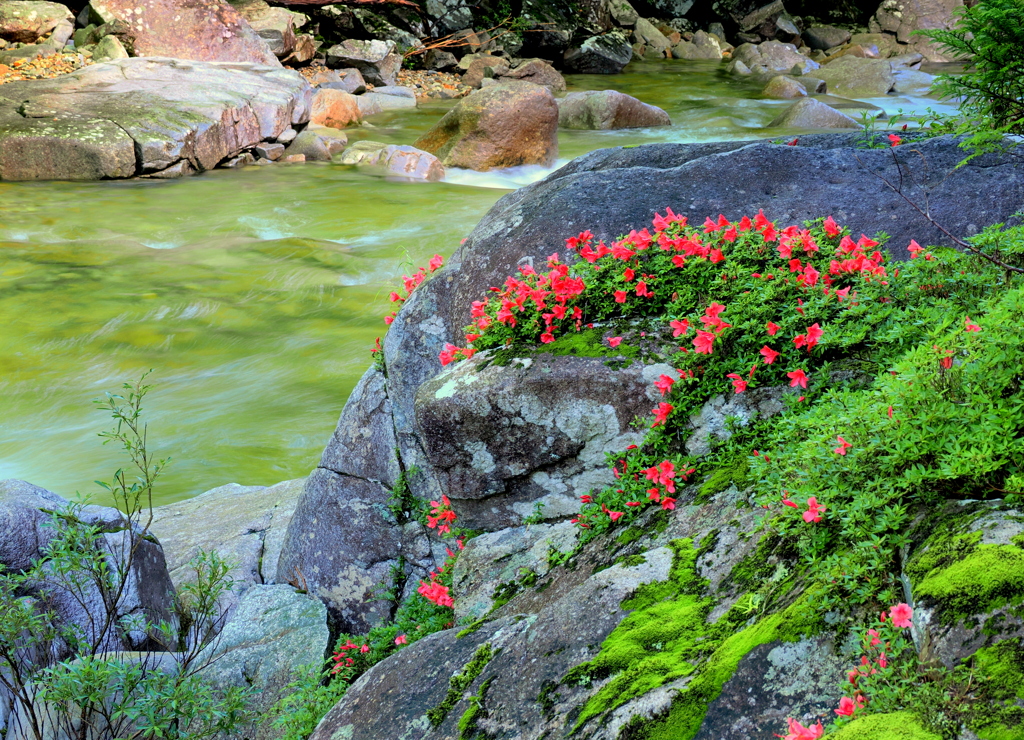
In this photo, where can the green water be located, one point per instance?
(254, 295)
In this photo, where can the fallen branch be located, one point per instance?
(406, 3)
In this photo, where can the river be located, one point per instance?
(254, 295)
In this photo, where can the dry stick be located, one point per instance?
(446, 42)
(956, 240)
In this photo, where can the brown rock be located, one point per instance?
(810, 113)
(334, 108)
(478, 69)
(293, 158)
(202, 30)
(538, 72)
(28, 21)
(608, 109)
(506, 125)
(783, 88)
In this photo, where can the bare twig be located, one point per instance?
(898, 189)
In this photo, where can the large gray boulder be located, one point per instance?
(601, 55)
(701, 46)
(29, 21)
(856, 77)
(201, 30)
(646, 33)
(243, 524)
(274, 632)
(276, 26)
(25, 512)
(139, 116)
(825, 37)
(504, 439)
(608, 109)
(506, 125)
(376, 60)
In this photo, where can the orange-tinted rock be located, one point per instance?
(506, 125)
(334, 108)
(28, 21)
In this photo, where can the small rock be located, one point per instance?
(376, 60)
(313, 148)
(607, 109)
(479, 67)
(538, 72)
(293, 158)
(784, 87)
(335, 108)
(305, 49)
(810, 113)
(440, 60)
(621, 12)
(242, 160)
(181, 169)
(322, 76)
(606, 54)
(109, 47)
(334, 140)
(645, 32)
(912, 82)
(703, 46)
(269, 151)
(825, 37)
(287, 135)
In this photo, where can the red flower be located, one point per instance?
(448, 355)
(668, 504)
(797, 378)
(703, 342)
(661, 413)
(664, 383)
(614, 341)
(843, 446)
(769, 354)
(792, 143)
(895, 140)
(737, 382)
(435, 262)
(715, 256)
(547, 338)
(846, 707)
(401, 640)
(901, 615)
(628, 275)
(772, 328)
(970, 326)
(615, 515)
(620, 296)
(679, 327)
(915, 249)
(831, 227)
(813, 513)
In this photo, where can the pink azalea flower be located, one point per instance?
(843, 446)
(901, 615)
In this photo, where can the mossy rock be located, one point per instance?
(891, 726)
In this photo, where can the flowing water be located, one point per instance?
(255, 296)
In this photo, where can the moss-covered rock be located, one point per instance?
(891, 726)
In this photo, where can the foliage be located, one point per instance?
(990, 36)
(74, 678)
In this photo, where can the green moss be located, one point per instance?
(587, 343)
(461, 681)
(467, 722)
(630, 535)
(736, 471)
(470, 629)
(942, 550)
(1000, 670)
(691, 703)
(667, 636)
(631, 561)
(891, 726)
(987, 578)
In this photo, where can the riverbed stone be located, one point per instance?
(811, 113)
(201, 30)
(772, 57)
(30, 21)
(274, 632)
(376, 60)
(904, 17)
(784, 87)
(646, 33)
(108, 49)
(702, 46)
(385, 98)
(334, 109)
(510, 124)
(274, 25)
(912, 82)
(855, 77)
(608, 109)
(404, 162)
(484, 65)
(825, 37)
(607, 54)
(244, 524)
(141, 115)
(537, 71)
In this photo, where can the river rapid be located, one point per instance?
(255, 295)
